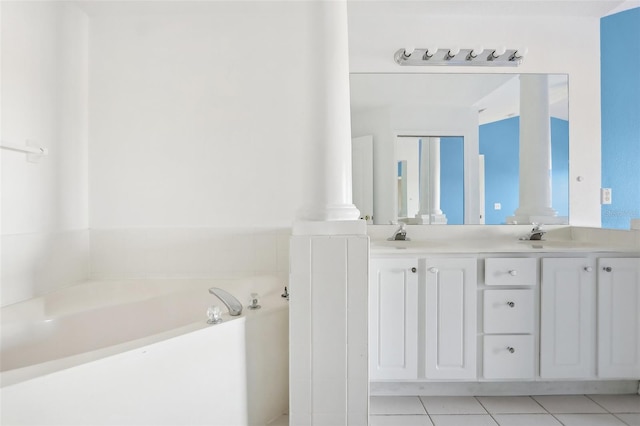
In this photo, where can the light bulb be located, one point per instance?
(498, 52)
(430, 52)
(519, 53)
(408, 51)
(475, 52)
(453, 52)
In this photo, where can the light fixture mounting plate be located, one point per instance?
(463, 58)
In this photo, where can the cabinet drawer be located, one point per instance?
(508, 311)
(510, 271)
(508, 357)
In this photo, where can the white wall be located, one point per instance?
(44, 100)
(557, 44)
(199, 114)
(202, 134)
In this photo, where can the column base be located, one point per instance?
(332, 212)
(431, 219)
(330, 227)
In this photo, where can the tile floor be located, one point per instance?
(567, 410)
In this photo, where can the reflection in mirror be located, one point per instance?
(510, 130)
(428, 193)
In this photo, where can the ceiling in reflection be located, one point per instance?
(495, 96)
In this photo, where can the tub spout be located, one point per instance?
(233, 304)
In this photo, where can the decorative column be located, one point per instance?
(328, 318)
(430, 212)
(330, 196)
(535, 153)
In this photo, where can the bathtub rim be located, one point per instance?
(271, 303)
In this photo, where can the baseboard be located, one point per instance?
(503, 388)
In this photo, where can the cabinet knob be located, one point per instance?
(433, 270)
(513, 272)
(607, 269)
(511, 349)
(414, 269)
(511, 304)
(588, 268)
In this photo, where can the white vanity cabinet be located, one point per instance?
(393, 319)
(567, 318)
(527, 317)
(619, 318)
(450, 318)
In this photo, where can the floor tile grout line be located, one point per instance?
(557, 419)
(422, 403)
(555, 416)
(610, 411)
(577, 412)
(538, 402)
(526, 396)
(598, 404)
(482, 405)
(615, 415)
(485, 409)
(425, 410)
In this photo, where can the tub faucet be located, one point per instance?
(400, 234)
(233, 305)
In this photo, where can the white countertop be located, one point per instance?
(499, 245)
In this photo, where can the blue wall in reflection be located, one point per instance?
(499, 143)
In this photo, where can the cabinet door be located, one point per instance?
(450, 318)
(393, 319)
(567, 325)
(619, 318)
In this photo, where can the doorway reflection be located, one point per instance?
(430, 176)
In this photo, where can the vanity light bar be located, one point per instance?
(478, 56)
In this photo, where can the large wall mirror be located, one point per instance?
(460, 148)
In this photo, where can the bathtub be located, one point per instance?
(141, 352)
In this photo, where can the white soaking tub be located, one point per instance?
(141, 352)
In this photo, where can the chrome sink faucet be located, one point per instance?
(400, 234)
(233, 305)
(536, 233)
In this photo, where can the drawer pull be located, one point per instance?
(433, 270)
(513, 272)
(511, 304)
(414, 269)
(588, 268)
(607, 269)
(511, 349)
